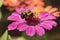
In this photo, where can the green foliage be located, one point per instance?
(5, 36)
(9, 37)
(36, 37)
(1, 2)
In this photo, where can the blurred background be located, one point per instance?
(53, 34)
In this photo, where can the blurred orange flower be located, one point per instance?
(33, 3)
(11, 4)
(37, 4)
(52, 10)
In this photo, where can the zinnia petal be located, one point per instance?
(19, 10)
(30, 31)
(51, 22)
(40, 31)
(13, 26)
(46, 16)
(22, 27)
(45, 25)
(30, 9)
(15, 17)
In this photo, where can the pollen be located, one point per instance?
(36, 12)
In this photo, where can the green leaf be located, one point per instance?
(1, 2)
(9, 37)
(4, 36)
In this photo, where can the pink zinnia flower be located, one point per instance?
(24, 21)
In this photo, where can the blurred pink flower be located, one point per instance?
(24, 21)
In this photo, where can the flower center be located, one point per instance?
(28, 16)
(37, 12)
(33, 22)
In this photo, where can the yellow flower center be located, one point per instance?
(37, 12)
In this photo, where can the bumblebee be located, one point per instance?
(27, 14)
